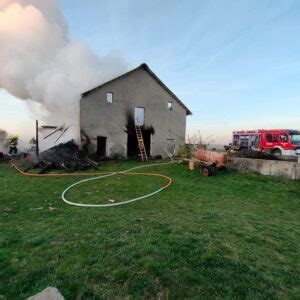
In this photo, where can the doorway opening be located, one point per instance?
(101, 146)
(138, 118)
(133, 150)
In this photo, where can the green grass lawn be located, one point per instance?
(231, 235)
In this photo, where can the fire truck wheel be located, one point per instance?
(206, 171)
(277, 152)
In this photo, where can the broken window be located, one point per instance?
(170, 105)
(109, 97)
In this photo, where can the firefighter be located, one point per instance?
(32, 144)
(85, 142)
(13, 142)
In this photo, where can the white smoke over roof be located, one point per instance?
(39, 62)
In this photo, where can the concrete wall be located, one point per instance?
(283, 169)
(138, 89)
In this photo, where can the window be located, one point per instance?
(256, 141)
(109, 97)
(244, 141)
(269, 138)
(283, 138)
(275, 138)
(170, 105)
(295, 138)
(236, 139)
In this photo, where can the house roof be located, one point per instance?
(152, 74)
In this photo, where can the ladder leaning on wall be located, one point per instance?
(141, 143)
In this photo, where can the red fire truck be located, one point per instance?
(277, 141)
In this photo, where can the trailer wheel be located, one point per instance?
(206, 171)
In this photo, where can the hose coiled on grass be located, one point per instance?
(103, 175)
(126, 172)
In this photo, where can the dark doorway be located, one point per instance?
(101, 146)
(133, 150)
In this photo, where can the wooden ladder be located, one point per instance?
(141, 144)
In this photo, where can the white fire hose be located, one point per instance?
(63, 196)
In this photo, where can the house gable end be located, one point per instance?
(145, 68)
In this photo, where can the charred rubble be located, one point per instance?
(65, 156)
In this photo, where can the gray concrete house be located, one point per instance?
(109, 112)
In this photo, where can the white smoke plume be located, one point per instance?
(39, 61)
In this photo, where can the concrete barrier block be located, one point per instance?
(282, 169)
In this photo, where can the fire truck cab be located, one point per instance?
(279, 142)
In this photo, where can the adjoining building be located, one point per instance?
(109, 112)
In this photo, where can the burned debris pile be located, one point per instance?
(65, 156)
(4, 158)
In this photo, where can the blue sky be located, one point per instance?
(235, 64)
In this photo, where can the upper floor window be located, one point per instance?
(170, 105)
(109, 97)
